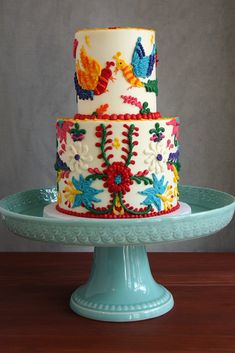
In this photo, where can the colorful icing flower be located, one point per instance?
(116, 143)
(76, 156)
(157, 157)
(77, 134)
(79, 192)
(62, 128)
(118, 178)
(175, 127)
(157, 133)
(84, 194)
(154, 195)
(173, 164)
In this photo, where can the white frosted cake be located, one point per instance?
(117, 157)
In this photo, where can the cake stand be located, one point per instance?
(121, 286)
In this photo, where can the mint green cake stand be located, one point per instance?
(121, 286)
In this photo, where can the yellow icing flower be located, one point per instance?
(176, 175)
(118, 209)
(116, 143)
(70, 192)
(166, 198)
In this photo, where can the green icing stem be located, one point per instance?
(103, 140)
(149, 208)
(139, 179)
(130, 143)
(95, 176)
(107, 210)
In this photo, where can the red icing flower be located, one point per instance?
(62, 127)
(117, 178)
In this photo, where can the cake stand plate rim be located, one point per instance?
(104, 232)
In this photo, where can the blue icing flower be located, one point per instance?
(85, 193)
(154, 193)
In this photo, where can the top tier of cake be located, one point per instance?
(116, 71)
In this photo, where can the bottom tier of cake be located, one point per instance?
(114, 168)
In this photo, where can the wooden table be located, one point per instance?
(35, 316)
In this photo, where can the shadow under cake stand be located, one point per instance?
(121, 286)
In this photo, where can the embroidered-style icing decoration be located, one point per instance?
(80, 193)
(77, 134)
(145, 109)
(167, 197)
(116, 143)
(104, 132)
(60, 165)
(101, 110)
(128, 73)
(83, 94)
(173, 160)
(106, 75)
(114, 215)
(62, 174)
(75, 45)
(128, 134)
(62, 128)
(152, 86)
(157, 133)
(117, 176)
(88, 70)
(157, 157)
(125, 117)
(118, 209)
(87, 40)
(90, 79)
(154, 195)
(169, 144)
(132, 100)
(142, 63)
(76, 156)
(175, 129)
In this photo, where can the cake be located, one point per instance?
(117, 157)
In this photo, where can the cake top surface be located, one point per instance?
(113, 28)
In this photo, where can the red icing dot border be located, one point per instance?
(125, 215)
(139, 116)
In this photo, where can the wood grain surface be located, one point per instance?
(35, 316)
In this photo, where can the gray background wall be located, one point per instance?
(196, 76)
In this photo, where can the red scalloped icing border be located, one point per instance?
(139, 116)
(125, 215)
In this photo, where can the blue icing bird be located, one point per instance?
(143, 64)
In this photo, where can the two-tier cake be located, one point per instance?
(118, 157)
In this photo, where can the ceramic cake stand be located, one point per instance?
(121, 286)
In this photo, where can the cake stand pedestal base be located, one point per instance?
(121, 287)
